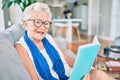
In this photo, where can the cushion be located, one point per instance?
(62, 43)
(11, 67)
(14, 32)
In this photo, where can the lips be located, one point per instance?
(40, 32)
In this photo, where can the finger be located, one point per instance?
(87, 77)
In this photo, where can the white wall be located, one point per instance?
(109, 20)
(15, 14)
(93, 9)
(104, 18)
(115, 19)
(95, 17)
(84, 17)
(2, 26)
(77, 11)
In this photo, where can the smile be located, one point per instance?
(40, 32)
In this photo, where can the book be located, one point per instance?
(113, 66)
(84, 60)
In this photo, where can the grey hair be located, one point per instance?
(37, 7)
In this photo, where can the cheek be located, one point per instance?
(46, 31)
(29, 26)
(31, 30)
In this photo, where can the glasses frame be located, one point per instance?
(43, 22)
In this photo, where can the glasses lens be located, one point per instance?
(47, 24)
(38, 23)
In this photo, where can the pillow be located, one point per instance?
(61, 42)
(14, 32)
(11, 67)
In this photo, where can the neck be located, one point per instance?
(38, 43)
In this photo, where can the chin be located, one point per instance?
(39, 38)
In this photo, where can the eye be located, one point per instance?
(38, 22)
(47, 23)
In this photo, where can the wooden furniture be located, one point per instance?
(113, 71)
(75, 30)
(68, 25)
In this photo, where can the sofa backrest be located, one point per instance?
(14, 32)
(11, 67)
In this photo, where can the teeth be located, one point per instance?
(40, 32)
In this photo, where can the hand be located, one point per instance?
(87, 77)
(69, 15)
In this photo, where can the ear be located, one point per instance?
(25, 24)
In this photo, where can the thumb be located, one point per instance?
(86, 77)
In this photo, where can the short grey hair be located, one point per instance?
(37, 7)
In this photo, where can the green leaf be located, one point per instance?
(4, 4)
(18, 1)
(9, 3)
(22, 3)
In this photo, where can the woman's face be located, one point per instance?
(37, 32)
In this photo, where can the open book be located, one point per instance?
(85, 59)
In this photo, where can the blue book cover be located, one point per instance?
(85, 58)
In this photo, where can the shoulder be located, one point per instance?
(22, 44)
(20, 47)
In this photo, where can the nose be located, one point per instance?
(42, 26)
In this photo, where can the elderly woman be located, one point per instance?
(41, 56)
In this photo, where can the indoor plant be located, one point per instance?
(22, 3)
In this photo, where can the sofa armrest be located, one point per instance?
(70, 53)
(62, 43)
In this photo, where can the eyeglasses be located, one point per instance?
(38, 23)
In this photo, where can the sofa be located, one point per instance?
(11, 67)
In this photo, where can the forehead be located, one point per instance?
(40, 15)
